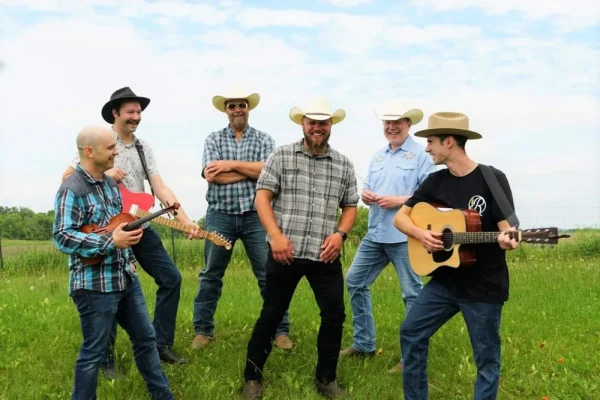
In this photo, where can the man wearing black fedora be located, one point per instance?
(134, 164)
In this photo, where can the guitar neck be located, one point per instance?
(481, 237)
(169, 222)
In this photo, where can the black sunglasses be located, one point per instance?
(232, 106)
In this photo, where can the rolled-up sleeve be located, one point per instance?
(270, 177)
(350, 197)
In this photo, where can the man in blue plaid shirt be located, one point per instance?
(232, 161)
(107, 289)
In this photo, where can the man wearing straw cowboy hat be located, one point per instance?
(232, 161)
(394, 173)
(299, 192)
(479, 291)
(134, 164)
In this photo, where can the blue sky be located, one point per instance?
(527, 75)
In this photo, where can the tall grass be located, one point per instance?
(550, 332)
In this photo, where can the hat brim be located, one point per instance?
(252, 99)
(471, 135)
(296, 115)
(414, 115)
(108, 107)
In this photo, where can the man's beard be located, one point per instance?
(316, 145)
(239, 122)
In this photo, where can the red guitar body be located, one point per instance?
(145, 201)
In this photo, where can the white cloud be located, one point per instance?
(535, 101)
(571, 13)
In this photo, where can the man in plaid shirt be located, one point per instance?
(109, 289)
(232, 161)
(299, 192)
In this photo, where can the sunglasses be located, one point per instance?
(233, 106)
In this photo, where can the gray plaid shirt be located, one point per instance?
(307, 191)
(238, 197)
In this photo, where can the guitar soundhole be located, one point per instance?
(444, 255)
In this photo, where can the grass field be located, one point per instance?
(550, 332)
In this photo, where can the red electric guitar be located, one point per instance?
(144, 203)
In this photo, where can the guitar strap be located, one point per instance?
(140, 150)
(499, 195)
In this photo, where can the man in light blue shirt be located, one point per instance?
(394, 173)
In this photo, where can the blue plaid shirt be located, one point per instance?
(81, 200)
(255, 146)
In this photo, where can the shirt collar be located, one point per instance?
(88, 177)
(299, 147)
(406, 146)
(231, 132)
(135, 139)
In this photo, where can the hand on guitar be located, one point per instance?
(123, 239)
(282, 249)
(116, 173)
(506, 242)
(431, 240)
(195, 234)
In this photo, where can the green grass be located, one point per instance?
(550, 332)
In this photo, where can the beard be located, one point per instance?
(239, 122)
(316, 144)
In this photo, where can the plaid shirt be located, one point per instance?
(238, 197)
(307, 191)
(81, 200)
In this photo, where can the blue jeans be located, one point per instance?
(370, 259)
(248, 228)
(434, 306)
(97, 311)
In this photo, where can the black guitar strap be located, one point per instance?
(140, 150)
(499, 195)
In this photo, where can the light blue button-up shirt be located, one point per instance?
(394, 173)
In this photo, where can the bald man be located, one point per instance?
(110, 289)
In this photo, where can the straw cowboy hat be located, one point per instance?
(449, 123)
(236, 93)
(118, 97)
(394, 110)
(319, 110)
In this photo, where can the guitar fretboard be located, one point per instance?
(169, 222)
(479, 237)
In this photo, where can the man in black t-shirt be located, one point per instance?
(478, 291)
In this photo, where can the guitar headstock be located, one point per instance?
(219, 240)
(543, 236)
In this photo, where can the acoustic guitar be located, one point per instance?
(145, 201)
(460, 227)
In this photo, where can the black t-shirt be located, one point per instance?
(487, 280)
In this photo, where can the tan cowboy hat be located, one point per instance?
(448, 123)
(395, 109)
(319, 110)
(235, 93)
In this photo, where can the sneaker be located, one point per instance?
(283, 342)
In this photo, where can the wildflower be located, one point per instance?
(561, 360)
(32, 288)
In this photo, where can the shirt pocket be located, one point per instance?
(407, 171)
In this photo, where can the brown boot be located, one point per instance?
(252, 390)
(352, 352)
(331, 390)
(397, 369)
(283, 342)
(201, 341)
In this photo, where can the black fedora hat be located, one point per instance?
(118, 97)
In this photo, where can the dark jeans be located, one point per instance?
(97, 311)
(433, 307)
(154, 259)
(248, 228)
(327, 283)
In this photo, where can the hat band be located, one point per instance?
(392, 115)
(316, 113)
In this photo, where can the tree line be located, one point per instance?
(24, 224)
